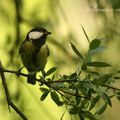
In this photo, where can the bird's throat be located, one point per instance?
(38, 43)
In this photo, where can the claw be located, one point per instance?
(43, 73)
(19, 71)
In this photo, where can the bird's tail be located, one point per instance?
(31, 78)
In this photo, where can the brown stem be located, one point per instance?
(8, 98)
(111, 87)
(49, 83)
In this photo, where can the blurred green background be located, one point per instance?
(100, 18)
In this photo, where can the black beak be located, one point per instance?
(48, 33)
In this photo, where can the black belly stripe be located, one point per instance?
(34, 56)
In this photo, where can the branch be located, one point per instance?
(110, 87)
(8, 98)
(48, 83)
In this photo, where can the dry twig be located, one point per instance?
(8, 98)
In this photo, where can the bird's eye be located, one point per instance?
(35, 35)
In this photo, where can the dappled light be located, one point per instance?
(84, 44)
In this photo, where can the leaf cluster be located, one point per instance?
(82, 90)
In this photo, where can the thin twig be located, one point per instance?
(55, 81)
(111, 87)
(8, 98)
(47, 83)
(73, 94)
(62, 81)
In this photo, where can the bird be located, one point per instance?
(34, 52)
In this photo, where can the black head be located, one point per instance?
(37, 33)
(38, 36)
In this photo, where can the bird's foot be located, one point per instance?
(19, 71)
(43, 74)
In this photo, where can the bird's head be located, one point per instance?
(38, 35)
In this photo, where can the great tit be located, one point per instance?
(34, 52)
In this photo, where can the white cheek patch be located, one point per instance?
(35, 35)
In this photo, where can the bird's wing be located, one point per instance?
(21, 47)
(42, 57)
(26, 51)
(48, 51)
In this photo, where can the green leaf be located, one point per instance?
(44, 89)
(81, 116)
(73, 76)
(106, 98)
(44, 95)
(88, 59)
(98, 64)
(56, 98)
(59, 85)
(89, 115)
(84, 67)
(77, 98)
(74, 110)
(102, 79)
(84, 103)
(116, 77)
(97, 50)
(50, 71)
(76, 51)
(95, 44)
(62, 116)
(102, 109)
(118, 93)
(83, 90)
(85, 34)
(118, 71)
(94, 102)
(93, 73)
(118, 97)
(109, 101)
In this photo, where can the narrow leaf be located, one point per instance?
(73, 76)
(94, 102)
(73, 110)
(93, 72)
(95, 44)
(44, 95)
(118, 97)
(50, 71)
(76, 51)
(97, 50)
(56, 98)
(102, 79)
(118, 71)
(98, 64)
(118, 93)
(62, 116)
(89, 115)
(116, 77)
(85, 34)
(106, 98)
(77, 98)
(102, 109)
(44, 89)
(84, 67)
(81, 117)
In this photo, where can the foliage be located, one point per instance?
(82, 90)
